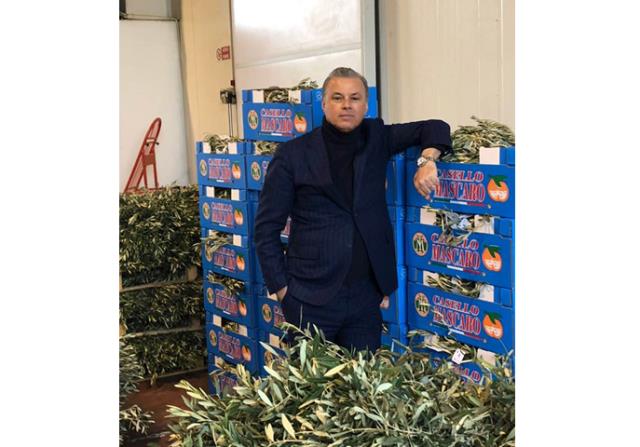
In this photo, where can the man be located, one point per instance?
(340, 261)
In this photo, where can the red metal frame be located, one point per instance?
(146, 157)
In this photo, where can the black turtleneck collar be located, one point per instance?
(333, 135)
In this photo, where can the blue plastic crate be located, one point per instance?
(267, 357)
(475, 322)
(493, 294)
(222, 170)
(242, 308)
(397, 217)
(468, 370)
(468, 188)
(494, 156)
(233, 147)
(232, 216)
(232, 260)
(271, 314)
(273, 339)
(395, 180)
(237, 194)
(481, 257)
(233, 347)
(392, 336)
(284, 121)
(497, 225)
(257, 168)
(220, 384)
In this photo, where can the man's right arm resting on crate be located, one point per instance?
(276, 203)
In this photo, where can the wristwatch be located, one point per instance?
(424, 160)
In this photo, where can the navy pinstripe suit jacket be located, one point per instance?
(298, 183)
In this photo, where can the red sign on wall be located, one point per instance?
(223, 53)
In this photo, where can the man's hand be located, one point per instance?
(426, 178)
(281, 293)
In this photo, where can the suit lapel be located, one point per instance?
(319, 166)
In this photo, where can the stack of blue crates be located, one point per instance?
(394, 307)
(485, 190)
(231, 323)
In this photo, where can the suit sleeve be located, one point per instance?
(276, 202)
(429, 133)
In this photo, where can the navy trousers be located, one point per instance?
(351, 319)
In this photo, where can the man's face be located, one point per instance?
(344, 103)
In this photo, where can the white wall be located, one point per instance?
(448, 59)
(151, 86)
(160, 8)
(280, 43)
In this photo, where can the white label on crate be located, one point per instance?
(242, 330)
(258, 96)
(487, 293)
(237, 240)
(217, 320)
(233, 147)
(482, 224)
(274, 340)
(295, 96)
(457, 357)
(426, 275)
(427, 216)
(487, 356)
(206, 147)
(489, 155)
(235, 194)
(210, 191)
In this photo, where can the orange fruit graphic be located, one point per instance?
(498, 189)
(300, 123)
(246, 353)
(242, 308)
(235, 171)
(492, 325)
(240, 263)
(210, 295)
(491, 258)
(238, 217)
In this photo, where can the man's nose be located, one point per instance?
(346, 104)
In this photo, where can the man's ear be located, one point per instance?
(323, 105)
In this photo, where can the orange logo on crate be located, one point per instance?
(491, 258)
(246, 353)
(300, 122)
(420, 244)
(240, 263)
(208, 252)
(238, 217)
(235, 171)
(252, 119)
(498, 189)
(492, 325)
(256, 173)
(421, 302)
(242, 308)
(210, 295)
(206, 211)
(203, 167)
(266, 313)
